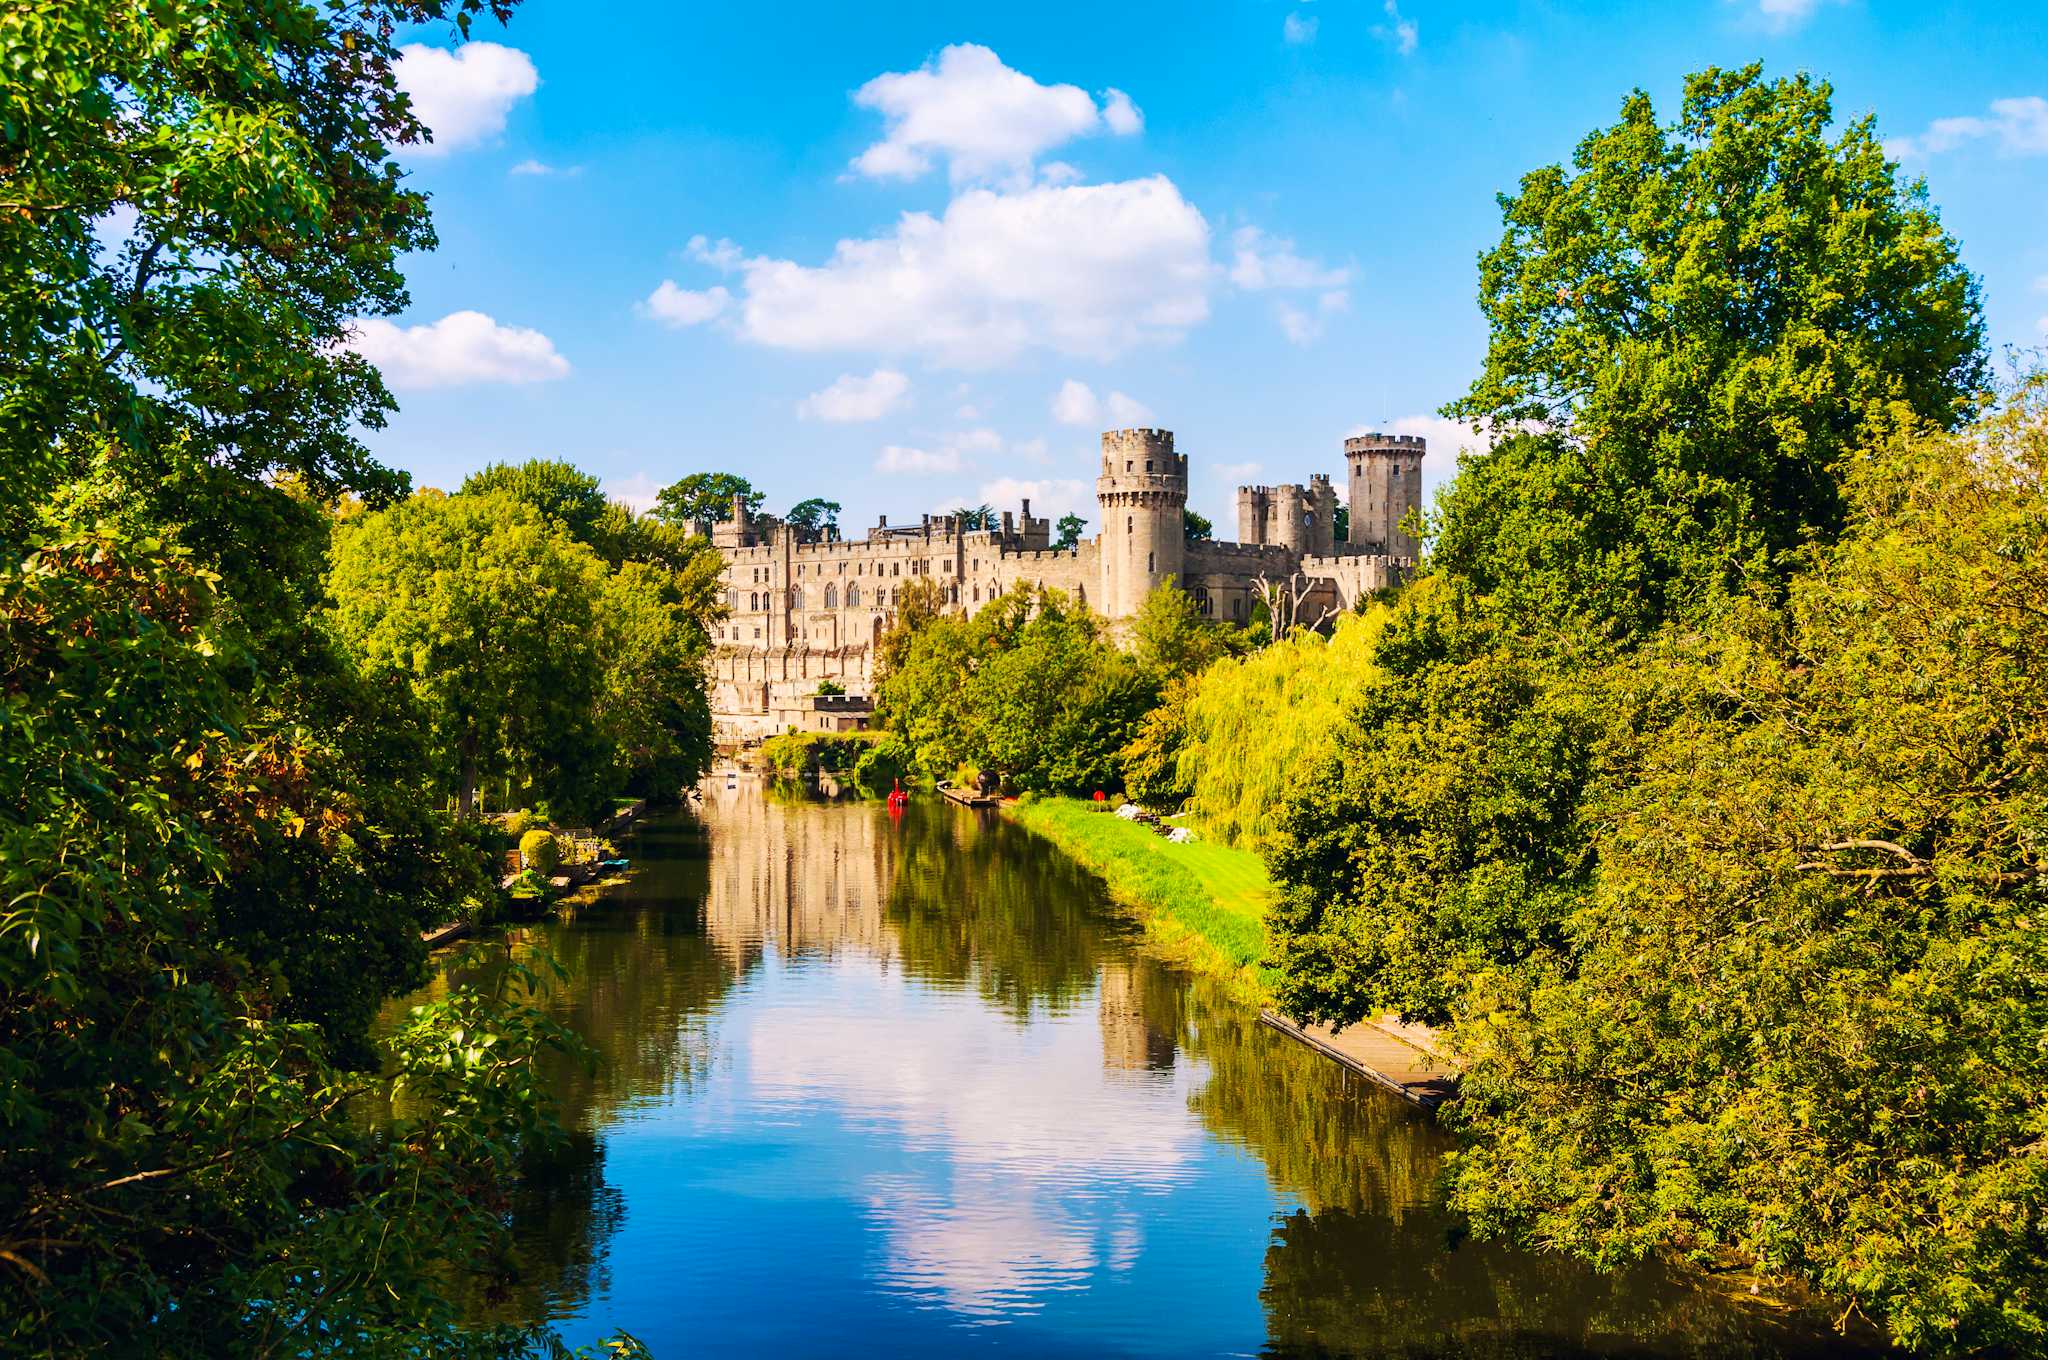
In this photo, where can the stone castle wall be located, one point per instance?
(806, 611)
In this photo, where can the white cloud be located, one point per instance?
(2020, 126)
(673, 306)
(1780, 16)
(1259, 262)
(1399, 31)
(1298, 29)
(986, 120)
(1090, 270)
(542, 168)
(1121, 115)
(1300, 327)
(460, 348)
(1050, 497)
(1076, 404)
(463, 96)
(897, 458)
(637, 490)
(854, 398)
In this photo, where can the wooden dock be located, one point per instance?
(969, 798)
(1380, 1056)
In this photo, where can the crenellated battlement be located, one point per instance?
(1386, 443)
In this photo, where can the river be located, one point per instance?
(908, 1085)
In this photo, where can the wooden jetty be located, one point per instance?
(969, 798)
(1381, 1056)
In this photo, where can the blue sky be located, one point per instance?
(906, 256)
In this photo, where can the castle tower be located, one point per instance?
(1143, 492)
(1386, 483)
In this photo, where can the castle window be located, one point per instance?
(754, 602)
(1130, 524)
(977, 594)
(1148, 465)
(1202, 600)
(895, 568)
(852, 596)
(831, 597)
(796, 597)
(1151, 561)
(1237, 608)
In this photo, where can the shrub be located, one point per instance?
(539, 852)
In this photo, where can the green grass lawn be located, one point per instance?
(1205, 903)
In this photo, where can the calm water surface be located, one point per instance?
(908, 1085)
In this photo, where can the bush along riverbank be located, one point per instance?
(1203, 904)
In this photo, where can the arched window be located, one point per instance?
(754, 599)
(796, 597)
(878, 628)
(953, 593)
(1202, 600)
(831, 597)
(852, 596)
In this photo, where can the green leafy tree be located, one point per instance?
(488, 614)
(1198, 527)
(814, 518)
(1171, 637)
(1030, 687)
(706, 496)
(652, 705)
(1702, 320)
(571, 498)
(1805, 1027)
(1070, 526)
(977, 517)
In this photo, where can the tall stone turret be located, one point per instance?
(1386, 483)
(1143, 492)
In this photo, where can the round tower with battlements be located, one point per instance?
(1143, 492)
(1386, 483)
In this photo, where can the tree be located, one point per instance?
(1030, 688)
(706, 496)
(1070, 526)
(1171, 637)
(977, 517)
(558, 490)
(652, 706)
(214, 852)
(1699, 322)
(1810, 993)
(1197, 527)
(1690, 334)
(487, 613)
(814, 518)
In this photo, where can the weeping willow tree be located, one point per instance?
(1229, 744)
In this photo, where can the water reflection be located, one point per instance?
(870, 1083)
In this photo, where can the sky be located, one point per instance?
(909, 257)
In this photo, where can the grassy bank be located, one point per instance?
(1205, 904)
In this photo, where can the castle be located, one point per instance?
(806, 609)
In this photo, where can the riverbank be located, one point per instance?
(1202, 904)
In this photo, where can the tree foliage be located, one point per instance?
(1699, 321)
(707, 497)
(1805, 1020)
(559, 491)
(1069, 531)
(1030, 688)
(814, 518)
